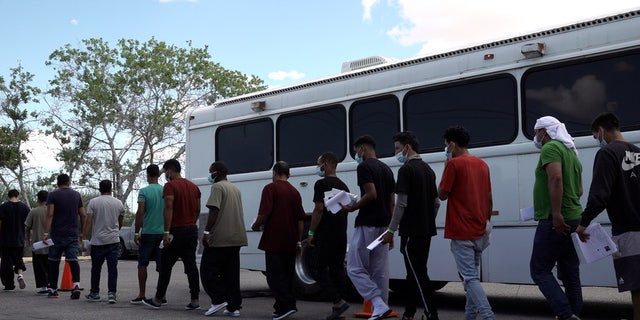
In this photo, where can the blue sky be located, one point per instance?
(280, 41)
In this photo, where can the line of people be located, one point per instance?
(167, 217)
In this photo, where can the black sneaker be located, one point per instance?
(53, 294)
(111, 297)
(8, 289)
(137, 300)
(21, 282)
(150, 303)
(75, 293)
(192, 306)
(43, 291)
(280, 316)
(164, 302)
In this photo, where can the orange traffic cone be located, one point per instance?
(367, 311)
(67, 282)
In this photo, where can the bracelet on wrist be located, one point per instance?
(166, 232)
(205, 232)
(311, 232)
(136, 234)
(391, 231)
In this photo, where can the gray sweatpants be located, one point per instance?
(369, 269)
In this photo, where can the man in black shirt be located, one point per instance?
(328, 234)
(415, 213)
(615, 186)
(13, 214)
(369, 269)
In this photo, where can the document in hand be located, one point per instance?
(42, 244)
(375, 243)
(597, 247)
(333, 203)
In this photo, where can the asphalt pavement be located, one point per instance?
(508, 301)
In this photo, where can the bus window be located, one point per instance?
(577, 92)
(487, 108)
(377, 117)
(303, 136)
(246, 147)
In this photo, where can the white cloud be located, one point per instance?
(367, 5)
(442, 25)
(281, 75)
(74, 22)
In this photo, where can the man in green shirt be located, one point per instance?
(149, 227)
(556, 203)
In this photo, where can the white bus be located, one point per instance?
(496, 90)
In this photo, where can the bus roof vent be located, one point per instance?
(364, 63)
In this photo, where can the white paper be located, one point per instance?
(335, 203)
(375, 243)
(42, 244)
(526, 214)
(597, 247)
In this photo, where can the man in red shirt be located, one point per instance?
(282, 217)
(181, 211)
(466, 184)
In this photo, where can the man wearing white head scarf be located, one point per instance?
(556, 203)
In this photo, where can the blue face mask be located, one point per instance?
(401, 157)
(211, 178)
(357, 157)
(319, 171)
(447, 154)
(537, 143)
(602, 142)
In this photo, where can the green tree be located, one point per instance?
(15, 129)
(115, 109)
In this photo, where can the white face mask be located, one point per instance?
(447, 154)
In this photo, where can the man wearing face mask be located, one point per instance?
(369, 269)
(556, 204)
(466, 185)
(180, 237)
(222, 238)
(615, 187)
(328, 234)
(415, 212)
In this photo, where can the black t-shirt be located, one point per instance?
(13, 216)
(378, 212)
(332, 226)
(417, 180)
(616, 187)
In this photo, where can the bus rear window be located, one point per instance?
(246, 147)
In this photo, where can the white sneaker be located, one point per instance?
(231, 313)
(215, 308)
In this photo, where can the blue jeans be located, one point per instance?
(98, 255)
(549, 250)
(70, 246)
(467, 254)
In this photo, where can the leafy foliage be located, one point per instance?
(116, 109)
